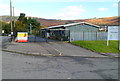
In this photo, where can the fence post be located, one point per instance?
(87, 35)
(83, 35)
(69, 36)
(107, 39)
(96, 35)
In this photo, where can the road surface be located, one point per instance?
(17, 66)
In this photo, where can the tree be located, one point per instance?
(20, 26)
(6, 27)
(23, 24)
(22, 18)
(35, 25)
(3, 25)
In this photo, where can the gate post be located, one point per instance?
(96, 36)
(83, 35)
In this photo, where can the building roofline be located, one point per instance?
(66, 25)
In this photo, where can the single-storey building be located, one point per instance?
(73, 31)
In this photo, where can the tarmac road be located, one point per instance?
(4, 42)
(17, 66)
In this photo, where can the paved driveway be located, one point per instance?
(38, 45)
(68, 49)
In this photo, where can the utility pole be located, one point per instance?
(14, 30)
(11, 20)
(119, 26)
(11, 16)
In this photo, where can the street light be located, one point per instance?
(30, 29)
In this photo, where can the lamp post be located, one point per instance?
(30, 29)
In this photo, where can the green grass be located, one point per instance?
(99, 46)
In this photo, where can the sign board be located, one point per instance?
(113, 33)
(22, 37)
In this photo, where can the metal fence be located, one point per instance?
(88, 36)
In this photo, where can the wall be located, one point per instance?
(83, 32)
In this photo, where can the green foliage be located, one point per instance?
(23, 24)
(6, 27)
(3, 25)
(35, 24)
(22, 18)
(99, 46)
(20, 26)
(35, 32)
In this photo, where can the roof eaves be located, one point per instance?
(80, 23)
(92, 24)
(66, 25)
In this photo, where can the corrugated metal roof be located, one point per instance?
(67, 25)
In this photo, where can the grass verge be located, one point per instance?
(98, 46)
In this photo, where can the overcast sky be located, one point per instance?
(62, 9)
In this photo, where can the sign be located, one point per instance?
(22, 37)
(113, 33)
(82, 24)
